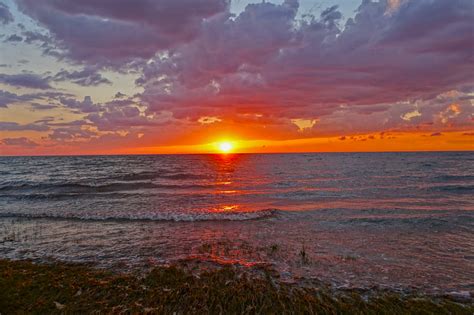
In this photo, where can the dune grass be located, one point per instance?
(26, 287)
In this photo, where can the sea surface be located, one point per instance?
(402, 221)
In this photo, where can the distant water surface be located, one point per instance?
(397, 220)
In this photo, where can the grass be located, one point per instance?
(304, 256)
(26, 287)
(274, 248)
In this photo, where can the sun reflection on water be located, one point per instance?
(230, 207)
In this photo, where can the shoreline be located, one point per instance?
(57, 287)
(315, 263)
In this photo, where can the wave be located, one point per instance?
(137, 176)
(184, 176)
(173, 217)
(66, 195)
(76, 188)
(461, 189)
(455, 178)
(155, 175)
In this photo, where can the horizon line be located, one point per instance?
(238, 153)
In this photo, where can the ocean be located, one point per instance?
(400, 221)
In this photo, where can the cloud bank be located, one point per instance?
(265, 72)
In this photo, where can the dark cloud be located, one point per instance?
(52, 123)
(88, 76)
(85, 106)
(123, 114)
(34, 36)
(8, 98)
(22, 142)
(331, 16)
(120, 95)
(119, 30)
(37, 106)
(267, 61)
(27, 80)
(13, 126)
(73, 133)
(5, 14)
(13, 38)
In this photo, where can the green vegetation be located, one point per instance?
(26, 287)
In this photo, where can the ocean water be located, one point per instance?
(390, 220)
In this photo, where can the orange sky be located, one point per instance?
(84, 77)
(375, 142)
(451, 141)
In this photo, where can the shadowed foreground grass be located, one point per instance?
(61, 288)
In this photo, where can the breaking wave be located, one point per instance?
(149, 216)
(87, 188)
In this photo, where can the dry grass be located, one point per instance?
(61, 288)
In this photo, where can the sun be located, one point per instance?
(225, 146)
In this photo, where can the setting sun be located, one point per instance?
(225, 147)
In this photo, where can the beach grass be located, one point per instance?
(26, 287)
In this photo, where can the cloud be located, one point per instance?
(5, 14)
(27, 80)
(102, 31)
(86, 106)
(72, 133)
(410, 115)
(88, 76)
(22, 142)
(268, 62)
(124, 114)
(9, 98)
(13, 38)
(269, 71)
(34, 36)
(13, 126)
(37, 106)
(120, 95)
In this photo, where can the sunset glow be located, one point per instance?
(280, 76)
(226, 147)
(194, 144)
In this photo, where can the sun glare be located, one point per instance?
(225, 147)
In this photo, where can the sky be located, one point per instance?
(183, 76)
